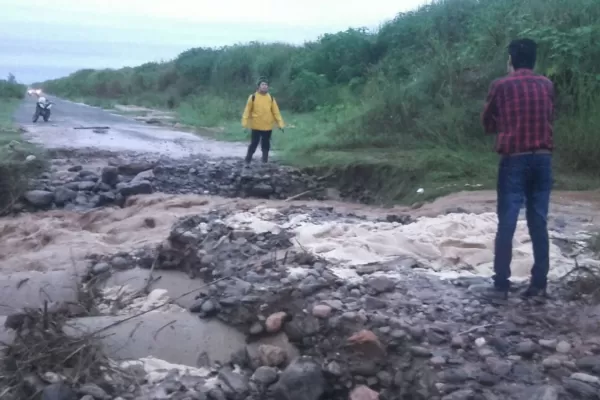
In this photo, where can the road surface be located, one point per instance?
(124, 134)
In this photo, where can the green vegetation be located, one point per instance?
(395, 109)
(10, 94)
(15, 171)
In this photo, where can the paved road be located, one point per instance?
(124, 134)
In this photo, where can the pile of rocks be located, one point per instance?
(393, 334)
(231, 178)
(83, 189)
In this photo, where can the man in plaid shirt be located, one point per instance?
(520, 111)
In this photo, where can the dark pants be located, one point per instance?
(262, 137)
(523, 177)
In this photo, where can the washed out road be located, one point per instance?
(124, 134)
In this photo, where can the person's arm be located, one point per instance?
(552, 102)
(246, 115)
(277, 115)
(490, 112)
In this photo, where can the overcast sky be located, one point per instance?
(49, 38)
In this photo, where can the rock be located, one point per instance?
(466, 394)
(39, 198)
(100, 268)
(458, 342)
(551, 363)
(563, 347)
(381, 284)
(63, 195)
(544, 393)
(453, 376)
(590, 364)
(256, 328)
(367, 343)
(419, 351)
(480, 342)
(110, 175)
(208, 308)
(437, 360)
(58, 391)
(548, 344)
(272, 356)
(144, 176)
(120, 263)
(75, 168)
(87, 175)
(301, 380)
(87, 397)
(106, 198)
(582, 389)
(236, 382)
(527, 349)
(322, 311)
(498, 366)
(135, 188)
(261, 190)
(580, 376)
(95, 391)
(363, 393)
(86, 185)
(265, 376)
(334, 368)
(275, 321)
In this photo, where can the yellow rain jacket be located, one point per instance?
(261, 113)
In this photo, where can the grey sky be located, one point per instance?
(43, 39)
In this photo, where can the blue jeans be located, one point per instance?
(524, 177)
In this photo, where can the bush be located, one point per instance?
(10, 89)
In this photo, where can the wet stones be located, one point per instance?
(110, 175)
(381, 284)
(589, 364)
(40, 198)
(322, 311)
(301, 380)
(235, 382)
(135, 188)
(265, 375)
(527, 349)
(64, 195)
(275, 321)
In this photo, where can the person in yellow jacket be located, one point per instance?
(260, 115)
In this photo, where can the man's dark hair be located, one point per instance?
(262, 79)
(523, 53)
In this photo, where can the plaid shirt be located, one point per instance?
(520, 109)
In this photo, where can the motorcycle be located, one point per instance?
(42, 108)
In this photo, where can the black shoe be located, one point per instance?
(490, 293)
(534, 293)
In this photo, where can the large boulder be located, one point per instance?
(133, 188)
(39, 198)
